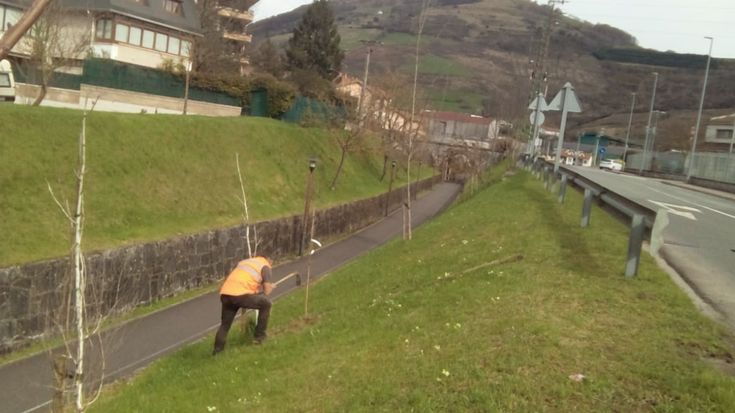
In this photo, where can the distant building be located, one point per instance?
(719, 134)
(452, 125)
(234, 17)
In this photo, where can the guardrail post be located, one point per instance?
(563, 188)
(552, 184)
(546, 177)
(586, 208)
(635, 245)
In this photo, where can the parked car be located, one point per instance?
(7, 82)
(612, 164)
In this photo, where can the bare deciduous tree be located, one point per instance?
(54, 43)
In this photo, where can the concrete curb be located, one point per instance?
(706, 191)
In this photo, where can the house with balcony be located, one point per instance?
(139, 32)
(719, 134)
(233, 18)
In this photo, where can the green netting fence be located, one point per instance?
(110, 74)
(304, 108)
(32, 76)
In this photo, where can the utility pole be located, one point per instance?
(630, 124)
(650, 117)
(701, 106)
(360, 105)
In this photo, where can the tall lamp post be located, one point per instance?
(390, 186)
(307, 203)
(701, 106)
(650, 118)
(360, 105)
(630, 124)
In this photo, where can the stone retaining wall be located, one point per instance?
(124, 278)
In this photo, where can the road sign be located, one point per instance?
(539, 101)
(541, 118)
(567, 100)
(602, 150)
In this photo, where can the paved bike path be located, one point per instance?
(26, 384)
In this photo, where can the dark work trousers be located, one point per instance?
(231, 305)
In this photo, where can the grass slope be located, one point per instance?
(152, 177)
(388, 332)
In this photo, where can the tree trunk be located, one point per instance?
(339, 168)
(41, 95)
(385, 167)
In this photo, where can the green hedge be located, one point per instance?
(655, 58)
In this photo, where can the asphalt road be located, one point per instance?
(26, 385)
(699, 241)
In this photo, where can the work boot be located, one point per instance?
(258, 340)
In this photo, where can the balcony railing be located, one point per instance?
(236, 14)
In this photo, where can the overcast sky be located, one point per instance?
(678, 25)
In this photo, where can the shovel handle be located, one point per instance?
(287, 277)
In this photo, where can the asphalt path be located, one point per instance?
(699, 241)
(26, 384)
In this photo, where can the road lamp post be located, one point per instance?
(360, 104)
(630, 124)
(701, 106)
(307, 203)
(650, 118)
(390, 186)
(418, 179)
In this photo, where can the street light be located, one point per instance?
(655, 131)
(390, 186)
(370, 44)
(650, 117)
(630, 124)
(307, 203)
(701, 105)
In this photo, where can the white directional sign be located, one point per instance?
(682, 211)
(567, 100)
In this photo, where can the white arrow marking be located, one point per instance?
(676, 210)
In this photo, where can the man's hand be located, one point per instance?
(268, 288)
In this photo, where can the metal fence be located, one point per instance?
(714, 166)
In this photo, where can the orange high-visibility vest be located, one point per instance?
(245, 278)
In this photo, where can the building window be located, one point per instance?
(121, 32)
(135, 34)
(724, 134)
(11, 17)
(161, 42)
(185, 48)
(173, 45)
(104, 29)
(148, 39)
(4, 80)
(173, 6)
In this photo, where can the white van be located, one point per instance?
(7, 82)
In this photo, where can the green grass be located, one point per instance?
(351, 38)
(152, 177)
(435, 65)
(390, 333)
(451, 100)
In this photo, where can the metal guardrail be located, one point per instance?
(643, 221)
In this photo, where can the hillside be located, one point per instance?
(155, 176)
(476, 56)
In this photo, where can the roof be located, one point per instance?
(458, 117)
(728, 120)
(151, 11)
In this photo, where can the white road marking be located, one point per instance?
(690, 202)
(675, 209)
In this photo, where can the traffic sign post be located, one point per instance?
(566, 101)
(537, 119)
